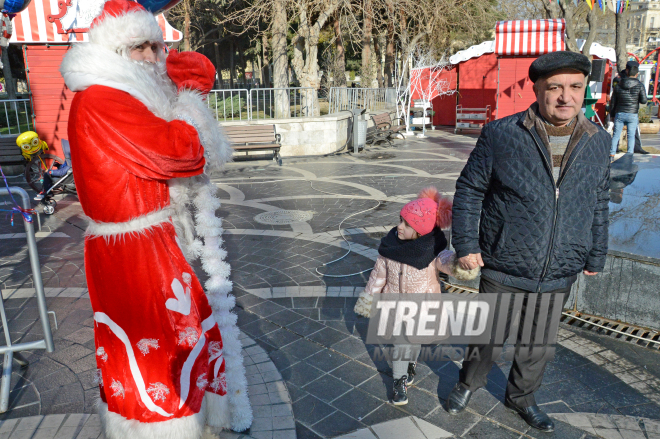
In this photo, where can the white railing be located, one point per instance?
(371, 99)
(282, 103)
(230, 105)
(262, 103)
(15, 116)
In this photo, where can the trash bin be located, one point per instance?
(359, 129)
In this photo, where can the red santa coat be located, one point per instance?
(158, 347)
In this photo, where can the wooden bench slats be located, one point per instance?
(254, 138)
(256, 147)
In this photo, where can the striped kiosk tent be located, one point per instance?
(494, 73)
(46, 30)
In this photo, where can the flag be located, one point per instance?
(590, 3)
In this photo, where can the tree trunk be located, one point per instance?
(260, 67)
(186, 26)
(280, 59)
(592, 19)
(389, 56)
(367, 25)
(339, 72)
(620, 43)
(266, 64)
(380, 53)
(243, 64)
(568, 10)
(218, 64)
(231, 63)
(10, 84)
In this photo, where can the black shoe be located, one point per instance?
(533, 416)
(400, 391)
(411, 373)
(458, 399)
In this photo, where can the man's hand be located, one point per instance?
(471, 261)
(589, 273)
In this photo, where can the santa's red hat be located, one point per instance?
(124, 24)
(429, 211)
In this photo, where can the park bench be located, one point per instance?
(384, 123)
(255, 138)
(10, 154)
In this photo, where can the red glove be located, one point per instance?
(191, 70)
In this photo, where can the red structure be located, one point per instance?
(495, 73)
(46, 33)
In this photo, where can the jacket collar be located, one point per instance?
(583, 126)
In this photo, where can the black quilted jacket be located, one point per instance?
(627, 96)
(532, 233)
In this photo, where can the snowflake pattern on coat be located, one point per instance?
(215, 350)
(146, 344)
(202, 382)
(100, 352)
(188, 337)
(117, 389)
(158, 391)
(220, 383)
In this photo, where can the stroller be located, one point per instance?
(58, 180)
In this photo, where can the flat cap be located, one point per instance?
(630, 64)
(553, 61)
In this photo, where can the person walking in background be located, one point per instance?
(531, 208)
(628, 94)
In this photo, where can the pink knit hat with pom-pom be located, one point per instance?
(428, 211)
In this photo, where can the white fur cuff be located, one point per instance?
(363, 305)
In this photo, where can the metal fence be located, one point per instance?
(15, 116)
(372, 99)
(230, 105)
(263, 103)
(282, 103)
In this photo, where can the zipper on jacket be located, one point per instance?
(556, 209)
(554, 220)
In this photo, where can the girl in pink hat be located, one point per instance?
(410, 259)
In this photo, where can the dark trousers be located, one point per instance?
(527, 371)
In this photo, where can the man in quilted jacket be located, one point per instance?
(531, 208)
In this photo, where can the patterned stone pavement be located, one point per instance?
(310, 373)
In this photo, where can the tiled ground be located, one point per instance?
(303, 343)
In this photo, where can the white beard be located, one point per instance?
(89, 64)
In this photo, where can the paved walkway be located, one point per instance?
(310, 373)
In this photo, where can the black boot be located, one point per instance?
(458, 399)
(400, 391)
(412, 367)
(533, 416)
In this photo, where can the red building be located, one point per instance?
(495, 73)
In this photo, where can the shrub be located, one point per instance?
(644, 115)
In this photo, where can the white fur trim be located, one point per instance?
(135, 226)
(115, 426)
(363, 304)
(126, 31)
(217, 410)
(191, 108)
(87, 64)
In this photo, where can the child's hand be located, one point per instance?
(471, 261)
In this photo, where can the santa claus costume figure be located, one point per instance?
(142, 146)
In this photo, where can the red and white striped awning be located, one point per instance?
(529, 37)
(32, 25)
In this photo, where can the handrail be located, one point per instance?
(11, 351)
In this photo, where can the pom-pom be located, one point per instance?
(430, 192)
(443, 215)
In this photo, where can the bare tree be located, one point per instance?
(620, 42)
(305, 48)
(279, 27)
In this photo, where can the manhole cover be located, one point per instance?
(281, 217)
